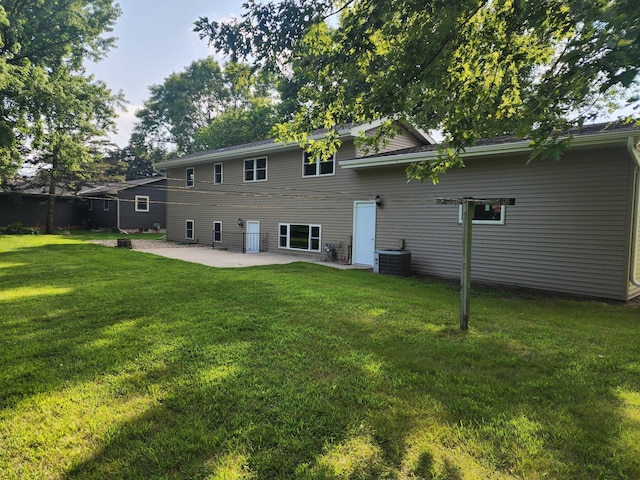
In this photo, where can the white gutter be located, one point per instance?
(633, 144)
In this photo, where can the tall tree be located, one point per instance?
(181, 114)
(36, 38)
(124, 164)
(470, 68)
(76, 112)
(52, 111)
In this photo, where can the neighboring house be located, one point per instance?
(574, 227)
(133, 205)
(29, 207)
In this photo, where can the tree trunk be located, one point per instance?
(51, 204)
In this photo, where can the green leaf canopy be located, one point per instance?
(468, 68)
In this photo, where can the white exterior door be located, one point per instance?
(253, 236)
(364, 232)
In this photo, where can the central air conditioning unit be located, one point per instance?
(392, 262)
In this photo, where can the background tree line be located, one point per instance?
(469, 69)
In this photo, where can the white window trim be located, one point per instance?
(266, 169)
(186, 177)
(317, 164)
(217, 222)
(503, 211)
(221, 173)
(193, 230)
(288, 247)
(143, 198)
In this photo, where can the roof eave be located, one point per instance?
(264, 149)
(606, 138)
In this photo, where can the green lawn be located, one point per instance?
(118, 364)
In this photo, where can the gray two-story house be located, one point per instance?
(574, 227)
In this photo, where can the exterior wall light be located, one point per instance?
(379, 202)
(240, 222)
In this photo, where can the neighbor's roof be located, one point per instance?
(596, 134)
(116, 187)
(263, 147)
(27, 187)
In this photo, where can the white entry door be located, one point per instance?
(253, 236)
(364, 232)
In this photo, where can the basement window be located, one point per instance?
(217, 232)
(486, 214)
(299, 237)
(190, 230)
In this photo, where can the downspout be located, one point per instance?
(633, 144)
(117, 199)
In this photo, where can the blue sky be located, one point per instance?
(155, 38)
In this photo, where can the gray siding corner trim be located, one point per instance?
(633, 146)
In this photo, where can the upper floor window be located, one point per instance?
(317, 167)
(217, 174)
(485, 213)
(190, 177)
(255, 169)
(142, 203)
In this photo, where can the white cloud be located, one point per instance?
(124, 125)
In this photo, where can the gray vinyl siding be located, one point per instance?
(404, 139)
(568, 232)
(130, 219)
(286, 197)
(100, 217)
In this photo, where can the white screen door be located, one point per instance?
(253, 236)
(364, 232)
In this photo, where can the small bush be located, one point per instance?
(18, 228)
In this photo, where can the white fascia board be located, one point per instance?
(483, 150)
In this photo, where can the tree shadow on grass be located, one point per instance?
(286, 373)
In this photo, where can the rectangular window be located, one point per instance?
(299, 237)
(317, 167)
(485, 214)
(255, 169)
(105, 205)
(190, 177)
(217, 174)
(91, 205)
(190, 230)
(217, 232)
(142, 203)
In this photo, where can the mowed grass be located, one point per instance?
(120, 364)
